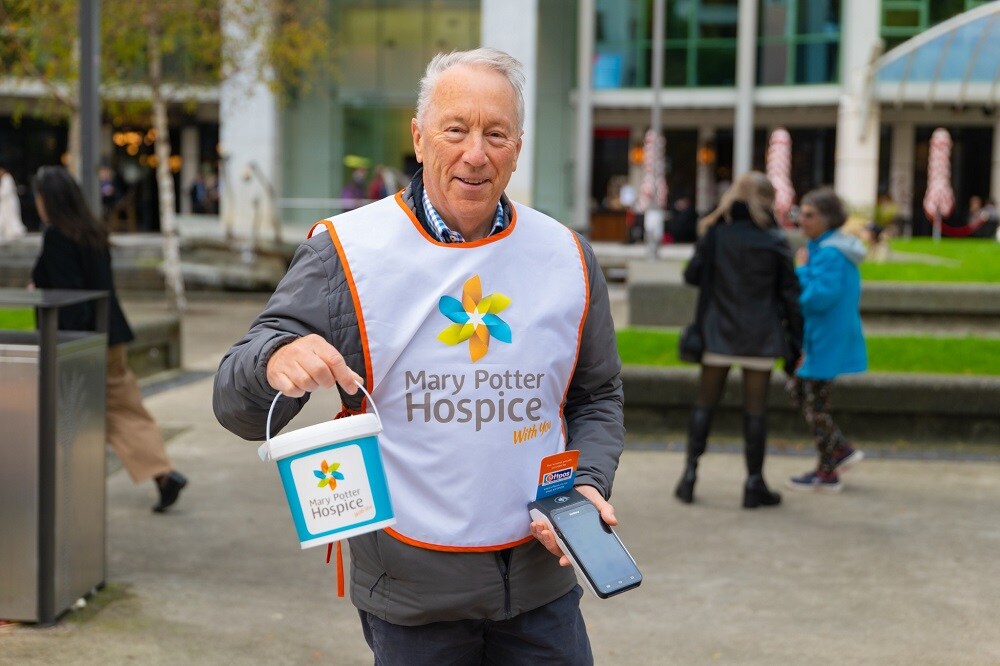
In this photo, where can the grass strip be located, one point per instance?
(924, 354)
(948, 260)
(17, 319)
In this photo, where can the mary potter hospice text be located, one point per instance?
(484, 409)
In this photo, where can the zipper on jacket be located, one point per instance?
(503, 564)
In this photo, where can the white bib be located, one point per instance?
(470, 348)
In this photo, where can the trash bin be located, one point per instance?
(52, 460)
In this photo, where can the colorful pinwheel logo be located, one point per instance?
(475, 319)
(328, 475)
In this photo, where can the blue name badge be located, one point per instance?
(557, 474)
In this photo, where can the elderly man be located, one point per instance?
(483, 329)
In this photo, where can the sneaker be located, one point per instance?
(845, 457)
(816, 482)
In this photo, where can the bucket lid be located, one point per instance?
(328, 432)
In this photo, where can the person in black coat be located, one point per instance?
(76, 255)
(751, 318)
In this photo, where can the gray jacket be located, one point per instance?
(397, 582)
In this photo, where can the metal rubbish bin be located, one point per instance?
(52, 460)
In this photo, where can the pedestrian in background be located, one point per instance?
(11, 226)
(353, 193)
(834, 343)
(743, 266)
(76, 255)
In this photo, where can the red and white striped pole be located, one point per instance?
(939, 199)
(779, 170)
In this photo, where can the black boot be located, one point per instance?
(170, 486)
(698, 427)
(756, 492)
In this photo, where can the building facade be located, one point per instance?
(859, 115)
(590, 93)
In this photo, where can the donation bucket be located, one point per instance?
(333, 477)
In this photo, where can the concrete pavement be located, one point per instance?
(901, 568)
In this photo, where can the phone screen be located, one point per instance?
(597, 550)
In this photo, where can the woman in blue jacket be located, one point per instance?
(833, 343)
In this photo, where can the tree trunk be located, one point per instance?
(73, 147)
(164, 180)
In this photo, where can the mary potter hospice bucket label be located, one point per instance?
(334, 492)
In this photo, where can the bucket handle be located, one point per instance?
(264, 451)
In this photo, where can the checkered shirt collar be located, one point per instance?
(447, 235)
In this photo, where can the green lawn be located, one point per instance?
(962, 356)
(17, 319)
(949, 260)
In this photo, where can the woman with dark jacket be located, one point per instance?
(76, 255)
(751, 317)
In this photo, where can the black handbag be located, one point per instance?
(691, 344)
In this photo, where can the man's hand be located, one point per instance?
(802, 256)
(308, 364)
(541, 532)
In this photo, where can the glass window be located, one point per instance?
(717, 66)
(699, 43)
(384, 46)
(903, 19)
(799, 41)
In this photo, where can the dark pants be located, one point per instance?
(553, 635)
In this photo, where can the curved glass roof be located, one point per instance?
(956, 62)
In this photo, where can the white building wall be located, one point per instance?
(249, 146)
(512, 26)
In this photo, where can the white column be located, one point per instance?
(746, 79)
(901, 167)
(189, 164)
(512, 26)
(584, 116)
(705, 174)
(856, 159)
(250, 142)
(995, 177)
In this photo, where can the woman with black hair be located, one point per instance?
(76, 255)
(743, 269)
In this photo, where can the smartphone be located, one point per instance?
(597, 554)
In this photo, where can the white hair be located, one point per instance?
(495, 59)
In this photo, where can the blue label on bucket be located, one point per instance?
(335, 491)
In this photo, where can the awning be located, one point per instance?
(954, 63)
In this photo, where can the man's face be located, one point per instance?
(468, 145)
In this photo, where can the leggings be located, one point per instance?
(812, 396)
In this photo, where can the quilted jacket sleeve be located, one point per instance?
(313, 297)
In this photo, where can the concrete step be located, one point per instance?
(658, 297)
(870, 406)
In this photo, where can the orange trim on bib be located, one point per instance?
(579, 331)
(335, 239)
(312, 229)
(347, 411)
(482, 241)
(340, 566)
(455, 549)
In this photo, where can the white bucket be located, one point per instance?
(333, 477)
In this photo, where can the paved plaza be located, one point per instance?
(901, 568)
